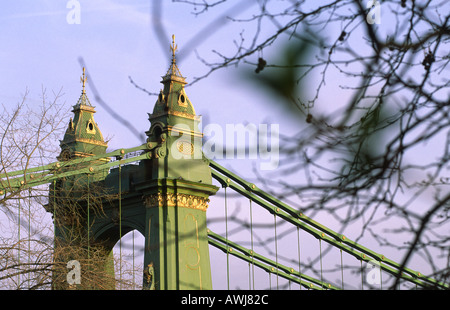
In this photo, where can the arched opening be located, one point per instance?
(128, 255)
(125, 261)
(157, 131)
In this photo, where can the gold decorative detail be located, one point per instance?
(149, 276)
(173, 47)
(191, 201)
(192, 253)
(176, 113)
(77, 154)
(185, 147)
(179, 200)
(90, 141)
(161, 97)
(83, 104)
(65, 155)
(173, 73)
(178, 130)
(71, 128)
(83, 80)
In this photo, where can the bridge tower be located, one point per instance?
(71, 198)
(177, 196)
(164, 197)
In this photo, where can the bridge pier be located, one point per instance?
(176, 247)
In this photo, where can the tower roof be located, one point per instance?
(83, 136)
(172, 98)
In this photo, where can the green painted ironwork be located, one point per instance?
(319, 231)
(28, 178)
(266, 264)
(50, 173)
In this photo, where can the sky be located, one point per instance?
(116, 40)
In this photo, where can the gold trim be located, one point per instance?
(83, 107)
(83, 80)
(194, 133)
(177, 200)
(90, 141)
(186, 148)
(176, 113)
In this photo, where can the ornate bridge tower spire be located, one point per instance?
(176, 200)
(83, 137)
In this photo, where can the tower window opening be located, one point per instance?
(90, 127)
(157, 132)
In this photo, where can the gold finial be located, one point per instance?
(83, 79)
(173, 47)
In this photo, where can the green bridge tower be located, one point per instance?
(164, 197)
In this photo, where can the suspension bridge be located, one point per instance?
(162, 189)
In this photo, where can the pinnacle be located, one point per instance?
(174, 72)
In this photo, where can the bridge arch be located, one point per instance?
(110, 233)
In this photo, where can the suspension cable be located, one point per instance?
(276, 245)
(381, 279)
(251, 241)
(88, 219)
(54, 221)
(298, 248)
(120, 225)
(362, 278)
(18, 244)
(226, 236)
(342, 270)
(29, 234)
(320, 253)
